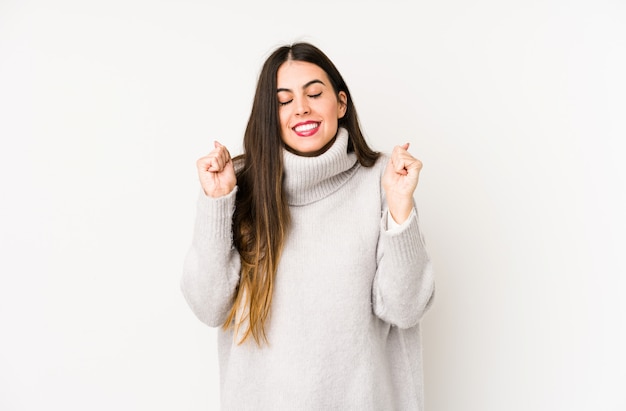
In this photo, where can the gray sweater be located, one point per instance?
(349, 294)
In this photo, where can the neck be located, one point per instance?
(309, 179)
(314, 153)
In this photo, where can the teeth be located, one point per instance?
(306, 127)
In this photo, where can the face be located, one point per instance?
(309, 109)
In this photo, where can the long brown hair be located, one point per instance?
(261, 218)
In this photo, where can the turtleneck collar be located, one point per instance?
(309, 179)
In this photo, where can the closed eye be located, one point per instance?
(316, 95)
(284, 103)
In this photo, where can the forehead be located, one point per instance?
(294, 74)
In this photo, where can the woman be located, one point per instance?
(308, 254)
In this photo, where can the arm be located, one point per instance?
(212, 266)
(404, 283)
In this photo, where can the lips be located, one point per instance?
(307, 128)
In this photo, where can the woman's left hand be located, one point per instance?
(399, 182)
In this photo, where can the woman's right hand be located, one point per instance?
(216, 172)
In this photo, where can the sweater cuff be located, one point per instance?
(406, 238)
(215, 216)
(392, 225)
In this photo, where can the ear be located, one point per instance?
(343, 104)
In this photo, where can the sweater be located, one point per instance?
(344, 326)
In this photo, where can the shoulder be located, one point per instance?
(383, 158)
(376, 170)
(381, 163)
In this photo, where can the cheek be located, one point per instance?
(336, 110)
(283, 118)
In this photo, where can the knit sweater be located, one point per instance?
(344, 327)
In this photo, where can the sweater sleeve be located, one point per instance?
(212, 265)
(404, 285)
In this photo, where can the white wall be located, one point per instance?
(516, 109)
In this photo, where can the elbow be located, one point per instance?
(204, 306)
(209, 292)
(212, 320)
(404, 311)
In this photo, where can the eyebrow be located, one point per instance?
(303, 87)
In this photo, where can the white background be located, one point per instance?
(515, 107)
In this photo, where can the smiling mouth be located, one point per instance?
(306, 129)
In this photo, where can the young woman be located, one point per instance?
(308, 254)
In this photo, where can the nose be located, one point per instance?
(302, 107)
